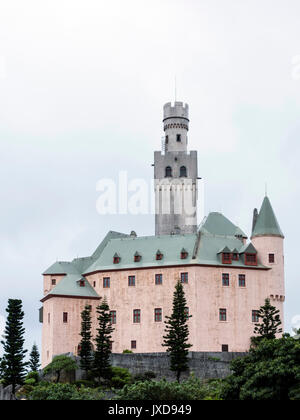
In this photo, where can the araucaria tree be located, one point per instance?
(177, 333)
(86, 353)
(34, 359)
(13, 364)
(103, 341)
(270, 322)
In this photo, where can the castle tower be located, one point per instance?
(175, 173)
(268, 240)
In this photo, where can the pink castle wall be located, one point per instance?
(204, 293)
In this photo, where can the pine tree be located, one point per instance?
(34, 359)
(177, 333)
(86, 354)
(268, 327)
(103, 341)
(13, 365)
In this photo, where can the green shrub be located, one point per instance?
(47, 391)
(30, 381)
(127, 352)
(33, 375)
(85, 383)
(191, 389)
(146, 376)
(120, 377)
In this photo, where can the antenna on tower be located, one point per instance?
(266, 190)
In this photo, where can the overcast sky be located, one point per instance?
(82, 86)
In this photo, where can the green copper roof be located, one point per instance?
(217, 224)
(216, 233)
(70, 286)
(266, 224)
(248, 248)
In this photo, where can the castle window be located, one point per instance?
(167, 139)
(242, 280)
(226, 258)
(136, 316)
(106, 282)
(255, 317)
(184, 254)
(225, 348)
(116, 259)
(223, 314)
(235, 257)
(133, 344)
(53, 282)
(82, 283)
(48, 318)
(65, 317)
(184, 277)
(159, 256)
(158, 279)
(158, 315)
(187, 312)
(250, 259)
(94, 283)
(178, 138)
(113, 317)
(131, 280)
(183, 171)
(271, 258)
(137, 257)
(225, 279)
(168, 172)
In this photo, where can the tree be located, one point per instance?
(13, 365)
(59, 364)
(34, 359)
(86, 355)
(271, 371)
(102, 368)
(177, 333)
(268, 328)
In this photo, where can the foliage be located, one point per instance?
(30, 381)
(269, 326)
(59, 364)
(120, 377)
(127, 352)
(146, 376)
(271, 371)
(101, 367)
(32, 375)
(34, 359)
(177, 333)
(46, 391)
(191, 389)
(12, 363)
(86, 354)
(85, 383)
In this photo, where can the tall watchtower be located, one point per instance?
(175, 173)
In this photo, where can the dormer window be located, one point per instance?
(235, 256)
(82, 283)
(159, 256)
(226, 258)
(250, 259)
(184, 254)
(168, 172)
(116, 259)
(137, 257)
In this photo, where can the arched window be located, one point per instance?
(168, 172)
(183, 171)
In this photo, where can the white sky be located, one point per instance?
(82, 85)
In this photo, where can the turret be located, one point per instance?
(268, 239)
(176, 126)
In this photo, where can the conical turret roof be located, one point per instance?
(266, 224)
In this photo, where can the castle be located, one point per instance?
(226, 278)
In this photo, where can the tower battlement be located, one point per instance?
(177, 110)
